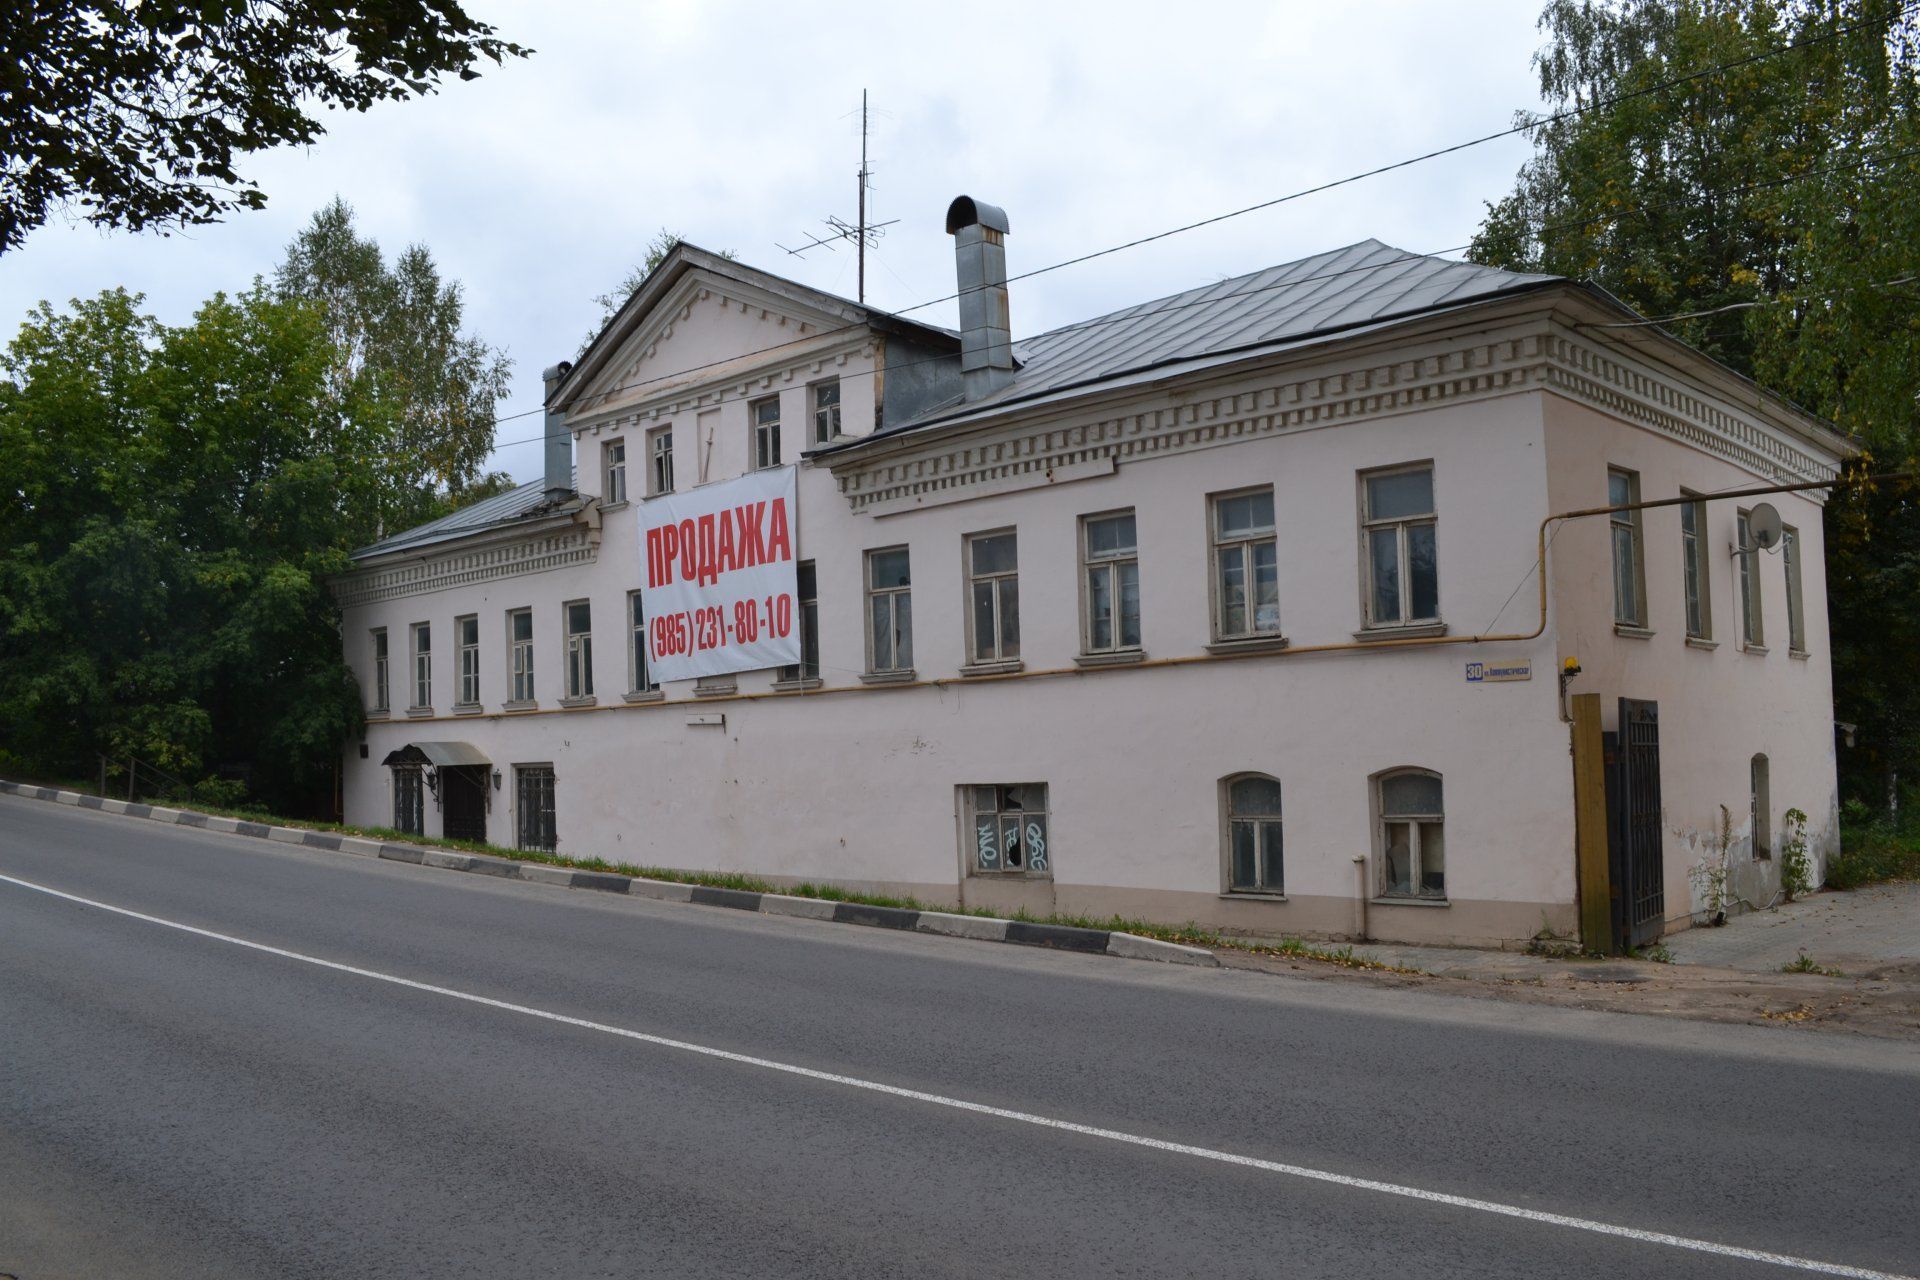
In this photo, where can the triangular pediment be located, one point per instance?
(702, 320)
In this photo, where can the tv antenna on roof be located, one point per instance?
(861, 233)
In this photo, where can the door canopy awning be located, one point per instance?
(440, 755)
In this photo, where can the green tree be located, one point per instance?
(615, 298)
(410, 396)
(166, 543)
(1781, 197)
(140, 114)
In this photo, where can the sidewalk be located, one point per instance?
(1866, 932)
(1729, 974)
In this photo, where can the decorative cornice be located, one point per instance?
(554, 549)
(1020, 455)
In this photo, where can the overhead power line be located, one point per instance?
(1534, 123)
(1296, 281)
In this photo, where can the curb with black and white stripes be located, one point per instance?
(983, 928)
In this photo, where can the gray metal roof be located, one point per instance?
(503, 508)
(438, 754)
(1362, 284)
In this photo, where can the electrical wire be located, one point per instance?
(1532, 123)
(1145, 310)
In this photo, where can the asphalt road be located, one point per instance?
(174, 1104)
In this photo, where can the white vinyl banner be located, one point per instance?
(719, 588)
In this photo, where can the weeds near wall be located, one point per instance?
(1709, 875)
(1796, 868)
(1874, 848)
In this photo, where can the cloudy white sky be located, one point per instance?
(736, 126)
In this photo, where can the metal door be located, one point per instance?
(1634, 825)
(463, 802)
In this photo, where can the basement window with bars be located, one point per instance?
(533, 786)
(1009, 830)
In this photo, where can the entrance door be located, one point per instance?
(1634, 827)
(463, 802)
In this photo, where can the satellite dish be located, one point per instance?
(1763, 523)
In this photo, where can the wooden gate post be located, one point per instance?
(1590, 825)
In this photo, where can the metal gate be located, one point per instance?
(463, 802)
(1634, 826)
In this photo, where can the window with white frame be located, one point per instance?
(382, 699)
(1008, 825)
(1760, 805)
(1397, 522)
(639, 679)
(660, 459)
(422, 665)
(466, 634)
(1411, 835)
(1693, 547)
(808, 598)
(993, 597)
(1254, 838)
(1796, 612)
(1110, 561)
(578, 615)
(520, 654)
(826, 410)
(889, 610)
(766, 432)
(613, 469)
(1752, 634)
(1246, 566)
(1629, 572)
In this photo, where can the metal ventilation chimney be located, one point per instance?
(559, 440)
(980, 254)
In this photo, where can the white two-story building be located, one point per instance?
(1235, 607)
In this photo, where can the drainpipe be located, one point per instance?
(1360, 895)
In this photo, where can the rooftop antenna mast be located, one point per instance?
(861, 233)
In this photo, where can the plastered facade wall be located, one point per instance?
(1720, 703)
(857, 784)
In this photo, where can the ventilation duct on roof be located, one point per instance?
(559, 440)
(980, 254)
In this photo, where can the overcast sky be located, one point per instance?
(736, 126)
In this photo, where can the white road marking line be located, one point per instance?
(1022, 1117)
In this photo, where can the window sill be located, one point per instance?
(1415, 631)
(378, 713)
(1632, 632)
(1408, 901)
(588, 701)
(527, 705)
(1110, 658)
(1701, 642)
(1800, 655)
(1251, 895)
(797, 686)
(726, 690)
(419, 713)
(467, 708)
(613, 506)
(1035, 877)
(644, 695)
(1248, 644)
(1757, 650)
(900, 675)
(993, 668)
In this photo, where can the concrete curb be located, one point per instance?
(980, 928)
